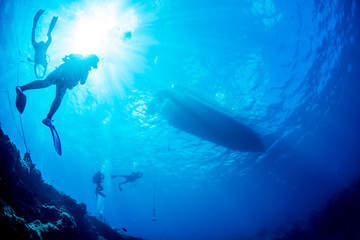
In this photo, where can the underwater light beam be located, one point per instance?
(113, 31)
(101, 28)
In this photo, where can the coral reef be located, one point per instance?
(33, 209)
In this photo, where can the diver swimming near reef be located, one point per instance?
(98, 178)
(73, 71)
(128, 178)
(41, 47)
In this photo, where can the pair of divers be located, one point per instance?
(74, 70)
(99, 177)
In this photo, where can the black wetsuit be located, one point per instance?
(98, 179)
(73, 71)
(129, 178)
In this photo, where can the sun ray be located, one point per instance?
(115, 31)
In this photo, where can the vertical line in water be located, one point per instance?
(153, 218)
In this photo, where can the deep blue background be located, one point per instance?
(288, 69)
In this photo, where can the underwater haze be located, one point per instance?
(288, 70)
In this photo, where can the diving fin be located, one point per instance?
(37, 16)
(56, 139)
(20, 100)
(55, 135)
(52, 25)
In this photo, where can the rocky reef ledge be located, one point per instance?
(33, 209)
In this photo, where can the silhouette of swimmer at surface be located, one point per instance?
(41, 47)
(128, 178)
(73, 71)
(98, 178)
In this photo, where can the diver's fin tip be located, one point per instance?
(52, 25)
(20, 100)
(55, 135)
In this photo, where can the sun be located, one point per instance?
(117, 32)
(103, 28)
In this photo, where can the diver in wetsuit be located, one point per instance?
(98, 178)
(128, 178)
(41, 47)
(73, 71)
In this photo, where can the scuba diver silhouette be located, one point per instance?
(128, 178)
(73, 71)
(41, 47)
(98, 178)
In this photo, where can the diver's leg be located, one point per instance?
(60, 92)
(120, 187)
(48, 81)
(36, 85)
(45, 68)
(101, 188)
(126, 181)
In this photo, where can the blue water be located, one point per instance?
(287, 69)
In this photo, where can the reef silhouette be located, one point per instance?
(33, 209)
